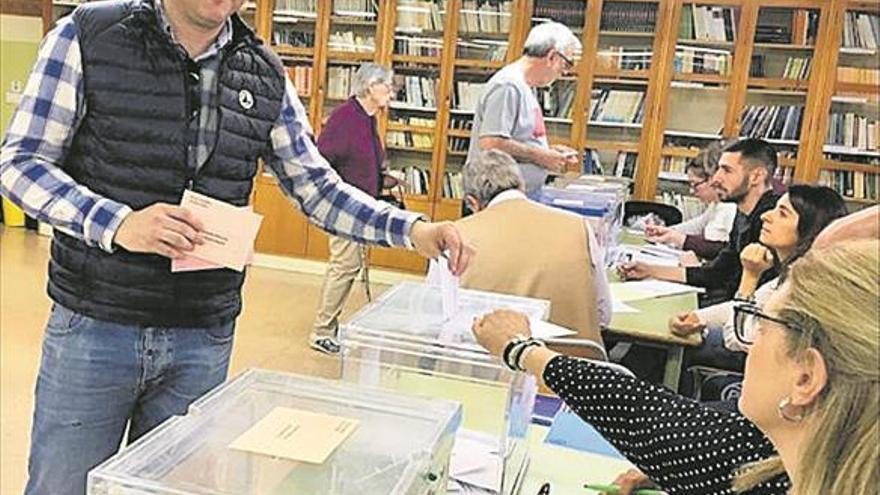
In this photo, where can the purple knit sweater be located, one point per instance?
(350, 142)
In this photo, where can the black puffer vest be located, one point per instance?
(132, 147)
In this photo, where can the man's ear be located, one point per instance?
(472, 203)
(811, 379)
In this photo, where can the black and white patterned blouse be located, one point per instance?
(683, 446)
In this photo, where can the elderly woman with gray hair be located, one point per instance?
(351, 143)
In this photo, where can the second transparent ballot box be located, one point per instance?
(403, 341)
(269, 433)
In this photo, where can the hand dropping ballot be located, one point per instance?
(229, 234)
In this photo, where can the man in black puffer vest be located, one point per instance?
(130, 103)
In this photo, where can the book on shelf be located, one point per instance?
(414, 122)
(417, 46)
(463, 122)
(416, 91)
(349, 41)
(292, 7)
(481, 49)
(624, 58)
(858, 75)
(617, 106)
(415, 16)
(407, 139)
(416, 179)
(699, 60)
(772, 121)
(569, 12)
(301, 77)
(458, 144)
(484, 17)
(339, 82)
(466, 94)
(784, 175)
(708, 23)
(366, 9)
(853, 131)
(675, 166)
(861, 30)
(852, 184)
(775, 25)
(453, 185)
(797, 68)
(689, 206)
(633, 17)
(625, 166)
(556, 101)
(290, 34)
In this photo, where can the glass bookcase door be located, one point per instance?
(353, 27)
(294, 24)
(484, 29)
(418, 30)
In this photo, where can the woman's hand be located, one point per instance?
(664, 235)
(494, 330)
(688, 258)
(631, 480)
(756, 258)
(684, 324)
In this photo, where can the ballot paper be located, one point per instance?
(476, 463)
(638, 290)
(652, 255)
(229, 231)
(191, 264)
(296, 435)
(620, 307)
(439, 275)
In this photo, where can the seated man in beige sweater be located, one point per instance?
(527, 249)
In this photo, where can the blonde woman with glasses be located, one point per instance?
(808, 416)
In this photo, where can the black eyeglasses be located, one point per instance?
(746, 312)
(569, 63)
(694, 185)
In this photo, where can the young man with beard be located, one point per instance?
(743, 177)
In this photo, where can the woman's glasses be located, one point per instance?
(744, 316)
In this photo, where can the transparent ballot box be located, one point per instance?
(393, 444)
(599, 199)
(403, 342)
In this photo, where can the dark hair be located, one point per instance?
(816, 206)
(705, 164)
(755, 153)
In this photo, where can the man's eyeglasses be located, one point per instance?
(746, 313)
(569, 63)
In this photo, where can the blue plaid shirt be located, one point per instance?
(52, 107)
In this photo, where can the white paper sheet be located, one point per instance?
(475, 462)
(638, 290)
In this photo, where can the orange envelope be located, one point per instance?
(229, 231)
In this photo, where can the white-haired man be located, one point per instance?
(508, 116)
(567, 270)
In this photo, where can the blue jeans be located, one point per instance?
(98, 377)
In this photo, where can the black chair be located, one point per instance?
(668, 213)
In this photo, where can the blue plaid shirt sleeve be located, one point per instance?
(37, 142)
(308, 179)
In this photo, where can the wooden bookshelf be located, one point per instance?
(716, 108)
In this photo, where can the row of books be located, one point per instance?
(414, 122)
(615, 105)
(697, 60)
(624, 58)
(349, 41)
(416, 91)
(407, 139)
(416, 179)
(283, 34)
(772, 121)
(858, 75)
(636, 17)
(478, 49)
(296, 6)
(484, 17)
(776, 25)
(797, 68)
(458, 143)
(708, 23)
(851, 184)
(367, 10)
(419, 15)
(301, 77)
(689, 206)
(853, 131)
(466, 94)
(568, 12)
(453, 185)
(557, 100)
(674, 165)
(339, 82)
(458, 121)
(625, 166)
(861, 30)
(416, 46)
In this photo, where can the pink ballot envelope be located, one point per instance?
(229, 231)
(192, 264)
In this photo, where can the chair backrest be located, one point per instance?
(670, 214)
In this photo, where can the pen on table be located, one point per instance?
(614, 490)
(545, 489)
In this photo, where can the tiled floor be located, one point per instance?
(272, 332)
